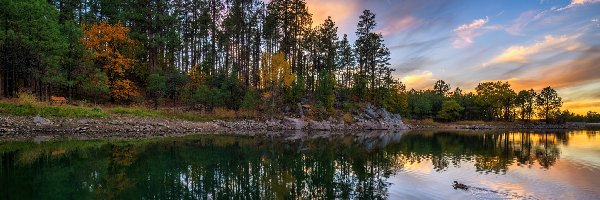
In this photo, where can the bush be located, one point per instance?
(251, 100)
(347, 117)
(450, 111)
(26, 98)
(204, 96)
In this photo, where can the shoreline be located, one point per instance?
(23, 128)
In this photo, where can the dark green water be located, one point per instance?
(411, 165)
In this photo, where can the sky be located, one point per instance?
(529, 43)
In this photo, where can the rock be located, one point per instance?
(83, 121)
(294, 123)
(6, 130)
(315, 125)
(41, 121)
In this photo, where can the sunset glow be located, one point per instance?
(530, 44)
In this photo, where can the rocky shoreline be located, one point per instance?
(369, 119)
(137, 127)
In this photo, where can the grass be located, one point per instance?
(135, 111)
(45, 110)
(27, 105)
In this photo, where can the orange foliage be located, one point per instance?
(107, 42)
(123, 90)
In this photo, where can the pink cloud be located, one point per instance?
(466, 32)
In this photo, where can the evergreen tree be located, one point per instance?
(32, 47)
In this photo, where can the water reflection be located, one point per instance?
(490, 152)
(298, 166)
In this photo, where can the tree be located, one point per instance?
(276, 75)
(397, 100)
(32, 48)
(548, 103)
(327, 46)
(345, 61)
(441, 87)
(526, 101)
(373, 58)
(110, 44)
(451, 111)
(325, 91)
(497, 98)
(592, 117)
(157, 88)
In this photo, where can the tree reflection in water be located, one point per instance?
(214, 167)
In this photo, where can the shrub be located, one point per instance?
(251, 100)
(450, 111)
(347, 117)
(27, 98)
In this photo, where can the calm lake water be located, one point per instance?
(380, 165)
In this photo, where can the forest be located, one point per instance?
(232, 54)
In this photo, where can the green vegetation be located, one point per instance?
(47, 110)
(143, 112)
(227, 56)
(492, 101)
(205, 54)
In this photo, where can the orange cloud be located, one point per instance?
(582, 107)
(339, 10)
(521, 54)
(418, 80)
(576, 81)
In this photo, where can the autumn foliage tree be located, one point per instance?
(110, 44)
(276, 75)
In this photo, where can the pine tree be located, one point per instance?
(345, 61)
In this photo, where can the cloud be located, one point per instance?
(576, 80)
(575, 72)
(418, 79)
(575, 3)
(339, 10)
(401, 24)
(582, 107)
(466, 32)
(521, 54)
(524, 20)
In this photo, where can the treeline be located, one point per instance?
(215, 53)
(491, 101)
(235, 54)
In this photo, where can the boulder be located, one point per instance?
(41, 121)
(294, 123)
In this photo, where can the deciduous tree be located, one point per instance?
(110, 44)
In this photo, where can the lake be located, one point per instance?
(377, 165)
